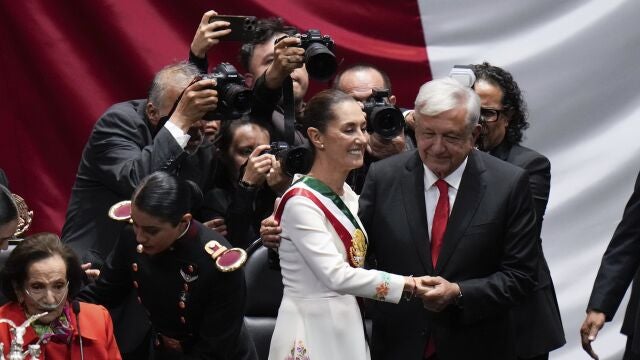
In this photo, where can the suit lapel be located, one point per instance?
(470, 193)
(416, 212)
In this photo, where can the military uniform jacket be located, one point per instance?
(186, 297)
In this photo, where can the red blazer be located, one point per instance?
(95, 324)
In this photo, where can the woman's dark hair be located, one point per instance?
(319, 110)
(511, 99)
(35, 248)
(8, 209)
(167, 197)
(223, 141)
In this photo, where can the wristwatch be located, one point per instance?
(458, 300)
(245, 185)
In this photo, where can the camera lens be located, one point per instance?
(238, 97)
(297, 160)
(387, 121)
(320, 61)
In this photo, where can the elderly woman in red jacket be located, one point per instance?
(41, 276)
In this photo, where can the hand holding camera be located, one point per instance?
(287, 56)
(208, 34)
(258, 166)
(197, 99)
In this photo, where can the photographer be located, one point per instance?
(247, 180)
(269, 64)
(360, 81)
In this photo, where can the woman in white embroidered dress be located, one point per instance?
(319, 317)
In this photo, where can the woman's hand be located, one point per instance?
(258, 166)
(92, 274)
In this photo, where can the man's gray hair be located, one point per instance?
(440, 95)
(175, 75)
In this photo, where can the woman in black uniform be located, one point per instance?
(196, 310)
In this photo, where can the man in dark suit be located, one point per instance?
(484, 259)
(620, 262)
(503, 109)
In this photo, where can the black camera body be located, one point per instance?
(383, 118)
(234, 98)
(293, 159)
(318, 54)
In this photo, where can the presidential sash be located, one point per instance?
(340, 217)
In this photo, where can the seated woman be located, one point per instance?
(42, 275)
(246, 182)
(324, 244)
(196, 311)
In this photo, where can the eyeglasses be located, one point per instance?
(38, 292)
(490, 115)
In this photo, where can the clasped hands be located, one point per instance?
(436, 292)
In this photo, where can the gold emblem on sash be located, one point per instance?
(358, 250)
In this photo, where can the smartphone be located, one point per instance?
(242, 27)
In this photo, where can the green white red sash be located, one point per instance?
(343, 221)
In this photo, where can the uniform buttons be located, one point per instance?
(135, 284)
(134, 267)
(139, 300)
(186, 287)
(183, 320)
(181, 304)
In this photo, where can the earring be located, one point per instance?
(321, 146)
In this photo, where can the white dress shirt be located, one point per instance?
(432, 194)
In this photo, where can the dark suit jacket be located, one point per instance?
(620, 262)
(121, 151)
(186, 297)
(489, 250)
(538, 323)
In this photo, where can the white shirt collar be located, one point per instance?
(452, 179)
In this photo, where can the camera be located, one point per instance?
(463, 74)
(234, 98)
(383, 118)
(318, 56)
(293, 159)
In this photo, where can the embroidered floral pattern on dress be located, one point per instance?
(298, 352)
(382, 290)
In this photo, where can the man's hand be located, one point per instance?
(198, 99)
(440, 293)
(410, 120)
(208, 34)
(381, 148)
(217, 224)
(589, 330)
(258, 166)
(286, 58)
(92, 274)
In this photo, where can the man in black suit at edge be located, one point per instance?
(486, 260)
(619, 263)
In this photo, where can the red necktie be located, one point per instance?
(440, 218)
(439, 225)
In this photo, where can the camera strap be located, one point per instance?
(289, 109)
